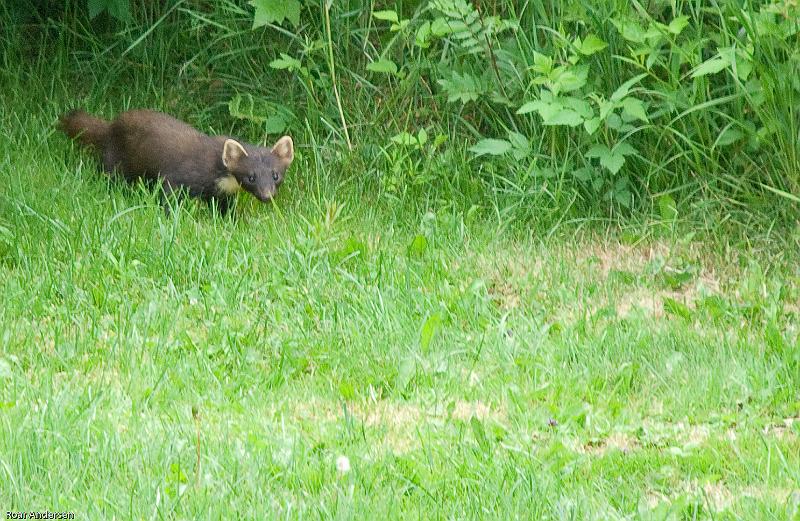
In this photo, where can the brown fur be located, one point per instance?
(152, 145)
(83, 127)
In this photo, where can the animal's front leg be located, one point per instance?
(224, 204)
(170, 196)
(110, 160)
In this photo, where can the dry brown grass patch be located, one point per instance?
(719, 497)
(508, 272)
(620, 441)
(398, 423)
(784, 429)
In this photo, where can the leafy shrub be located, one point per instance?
(618, 101)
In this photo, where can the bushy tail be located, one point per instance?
(90, 131)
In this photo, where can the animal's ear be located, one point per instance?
(284, 149)
(232, 152)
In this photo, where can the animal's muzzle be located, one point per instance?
(265, 196)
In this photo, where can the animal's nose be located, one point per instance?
(266, 196)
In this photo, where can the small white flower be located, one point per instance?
(343, 464)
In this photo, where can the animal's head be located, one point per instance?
(260, 170)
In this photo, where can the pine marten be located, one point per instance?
(157, 147)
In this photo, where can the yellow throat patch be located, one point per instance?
(228, 185)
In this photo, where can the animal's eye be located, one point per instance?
(274, 175)
(252, 178)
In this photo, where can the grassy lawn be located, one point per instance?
(359, 352)
(463, 371)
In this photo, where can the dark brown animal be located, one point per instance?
(157, 147)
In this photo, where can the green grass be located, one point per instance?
(510, 365)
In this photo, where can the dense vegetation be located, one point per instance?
(534, 260)
(573, 107)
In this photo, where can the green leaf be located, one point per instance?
(630, 30)
(422, 38)
(712, 66)
(624, 149)
(176, 480)
(668, 208)
(383, 65)
(625, 88)
(529, 107)
(405, 373)
(677, 25)
(584, 174)
(743, 65)
(517, 140)
(606, 109)
(275, 124)
(615, 122)
(479, 433)
(597, 150)
(678, 309)
(676, 279)
(611, 160)
(492, 147)
(404, 139)
(439, 140)
(624, 197)
(462, 87)
(568, 79)
(353, 248)
(96, 7)
(417, 246)
(440, 27)
(429, 329)
(729, 136)
(286, 62)
(400, 26)
(521, 146)
(422, 137)
(408, 139)
(580, 106)
(118, 9)
(543, 172)
(568, 111)
(275, 12)
(121, 10)
(591, 125)
(259, 110)
(388, 15)
(542, 63)
(591, 45)
(635, 107)
(564, 117)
